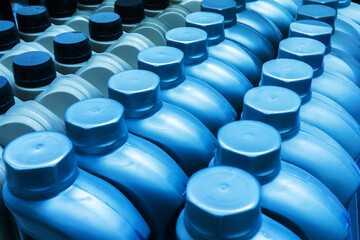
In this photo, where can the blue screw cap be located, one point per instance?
(137, 90)
(288, 73)
(9, 35)
(317, 12)
(211, 23)
(307, 50)
(39, 165)
(33, 19)
(227, 8)
(276, 106)
(251, 146)
(96, 125)
(221, 203)
(166, 62)
(330, 3)
(33, 69)
(72, 47)
(192, 41)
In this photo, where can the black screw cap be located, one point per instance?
(6, 95)
(9, 36)
(105, 26)
(130, 11)
(33, 19)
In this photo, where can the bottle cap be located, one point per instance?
(227, 8)
(9, 36)
(317, 12)
(211, 23)
(330, 3)
(6, 95)
(314, 29)
(288, 73)
(137, 90)
(166, 62)
(39, 165)
(276, 106)
(61, 9)
(90, 2)
(105, 26)
(156, 4)
(221, 203)
(33, 69)
(72, 47)
(344, 3)
(192, 41)
(33, 19)
(96, 125)
(130, 11)
(240, 5)
(307, 50)
(251, 146)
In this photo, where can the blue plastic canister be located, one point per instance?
(302, 144)
(239, 32)
(316, 109)
(336, 87)
(193, 95)
(223, 203)
(187, 140)
(228, 81)
(50, 198)
(289, 194)
(328, 15)
(223, 49)
(335, 60)
(143, 172)
(349, 9)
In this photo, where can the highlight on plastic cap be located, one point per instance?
(33, 69)
(61, 9)
(211, 23)
(240, 5)
(33, 19)
(9, 36)
(130, 11)
(330, 3)
(227, 8)
(137, 90)
(288, 73)
(90, 2)
(317, 12)
(156, 4)
(192, 41)
(251, 146)
(96, 125)
(344, 3)
(221, 203)
(105, 26)
(166, 62)
(276, 106)
(314, 29)
(72, 47)
(307, 50)
(39, 165)
(6, 95)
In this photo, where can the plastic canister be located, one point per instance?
(228, 81)
(175, 130)
(255, 148)
(143, 172)
(223, 203)
(193, 95)
(349, 9)
(302, 144)
(79, 21)
(51, 198)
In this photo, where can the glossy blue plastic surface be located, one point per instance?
(192, 95)
(317, 110)
(338, 88)
(224, 203)
(147, 176)
(303, 145)
(223, 49)
(228, 81)
(350, 9)
(85, 207)
(289, 194)
(239, 32)
(334, 60)
(173, 129)
(272, 10)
